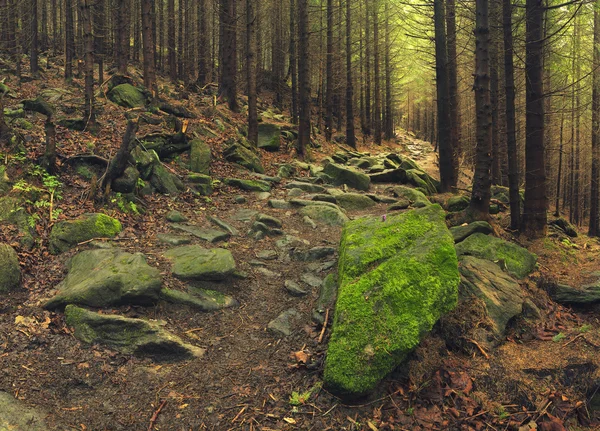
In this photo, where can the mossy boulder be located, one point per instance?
(354, 201)
(200, 299)
(203, 183)
(127, 182)
(416, 197)
(243, 156)
(69, 233)
(127, 96)
(460, 233)
(328, 215)
(165, 182)
(515, 259)
(249, 185)
(326, 300)
(130, 336)
(457, 203)
(15, 415)
(421, 181)
(192, 262)
(269, 137)
(344, 175)
(396, 278)
(10, 271)
(12, 212)
(107, 277)
(200, 157)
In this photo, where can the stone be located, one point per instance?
(267, 178)
(269, 220)
(515, 259)
(568, 295)
(263, 196)
(206, 234)
(355, 201)
(326, 299)
(284, 324)
(325, 215)
(165, 182)
(289, 241)
(396, 279)
(343, 175)
(397, 175)
(127, 182)
(239, 199)
(325, 198)
(200, 157)
(244, 215)
(311, 279)
(192, 262)
(565, 226)
(279, 204)
(130, 336)
(176, 217)
(305, 203)
(294, 288)
(460, 233)
(223, 225)
(458, 203)
(249, 185)
(69, 233)
(305, 187)
(294, 193)
(174, 240)
(145, 161)
(286, 171)
(421, 181)
(267, 254)
(315, 253)
(127, 96)
(402, 204)
(308, 221)
(269, 137)
(107, 277)
(200, 299)
(501, 294)
(382, 199)
(238, 153)
(267, 272)
(416, 197)
(13, 212)
(16, 415)
(10, 271)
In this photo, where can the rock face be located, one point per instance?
(127, 95)
(200, 157)
(268, 137)
(101, 278)
(67, 234)
(343, 175)
(457, 203)
(586, 295)
(460, 233)
(14, 415)
(129, 336)
(396, 278)
(10, 271)
(238, 153)
(416, 197)
(517, 260)
(192, 262)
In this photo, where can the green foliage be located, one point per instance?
(558, 337)
(300, 398)
(125, 205)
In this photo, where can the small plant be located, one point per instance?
(124, 205)
(558, 337)
(585, 328)
(502, 413)
(300, 398)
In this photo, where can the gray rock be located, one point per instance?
(239, 199)
(306, 187)
(175, 240)
(460, 233)
(15, 415)
(457, 203)
(326, 300)
(306, 203)
(269, 137)
(382, 199)
(200, 157)
(416, 197)
(127, 95)
(245, 215)
(176, 217)
(192, 262)
(568, 295)
(267, 254)
(325, 214)
(203, 183)
(354, 201)
(402, 204)
(263, 196)
(307, 220)
(565, 226)
(294, 193)
(294, 288)
(311, 279)
(284, 324)
(352, 178)
(396, 176)
(67, 234)
(102, 278)
(127, 182)
(201, 299)
(10, 271)
(325, 198)
(279, 204)
(269, 220)
(223, 225)
(165, 182)
(249, 185)
(290, 241)
(267, 272)
(315, 253)
(286, 171)
(243, 156)
(129, 336)
(267, 178)
(206, 234)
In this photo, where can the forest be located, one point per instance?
(299, 215)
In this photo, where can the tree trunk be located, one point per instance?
(180, 47)
(33, 53)
(293, 62)
(203, 44)
(118, 163)
(594, 227)
(304, 128)
(368, 119)
(350, 135)
(560, 162)
(69, 40)
(480, 197)
(148, 42)
(251, 74)
(329, 74)
(123, 42)
(496, 170)
(536, 202)
(376, 74)
(88, 49)
(100, 36)
(171, 40)
(389, 119)
(228, 52)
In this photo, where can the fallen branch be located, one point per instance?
(154, 417)
(324, 326)
(476, 344)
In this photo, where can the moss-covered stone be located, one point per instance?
(515, 259)
(396, 278)
(12, 212)
(416, 197)
(15, 415)
(343, 175)
(107, 277)
(192, 262)
(457, 203)
(249, 185)
(201, 299)
(129, 336)
(460, 233)
(243, 156)
(269, 137)
(354, 201)
(128, 96)
(67, 234)
(10, 271)
(421, 181)
(328, 215)
(165, 182)
(326, 300)
(200, 157)
(127, 182)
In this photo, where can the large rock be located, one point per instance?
(102, 278)
(350, 177)
(127, 182)
(389, 176)
(501, 294)
(201, 299)
(354, 201)
(416, 197)
(192, 262)
(10, 271)
(515, 259)
(243, 156)
(460, 233)
(165, 182)
(396, 278)
(457, 203)
(129, 336)
(421, 181)
(200, 157)
(568, 295)
(15, 415)
(249, 185)
(69, 233)
(269, 137)
(331, 216)
(128, 96)
(13, 212)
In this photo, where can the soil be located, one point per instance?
(546, 371)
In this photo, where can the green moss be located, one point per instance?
(249, 185)
(66, 234)
(396, 279)
(10, 271)
(128, 96)
(517, 260)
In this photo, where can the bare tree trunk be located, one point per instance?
(594, 227)
(480, 198)
(293, 61)
(329, 74)
(203, 44)
(171, 40)
(304, 128)
(536, 202)
(251, 74)
(69, 40)
(148, 42)
(376, 74)
(350, 135)
(118, 163)
(88, 48)
(368, 118)
(100, 36)
(560, 162)
(123, 41)
(33, 53)
(496, 170)
(180, 46)
(389, 119)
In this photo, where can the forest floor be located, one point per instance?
(544, 375)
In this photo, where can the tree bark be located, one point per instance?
(69, 40)
(148, 44)
(304, 128)
(88, 48)
(376, 74)
(293, 62)
(368, 118)
(329, 74)
(118, 163)
(33, 53)
(594, 225)
(171, 40)
(389, 118)
(350, 134)
(228, 53)
(203, 45)
(251, 74)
